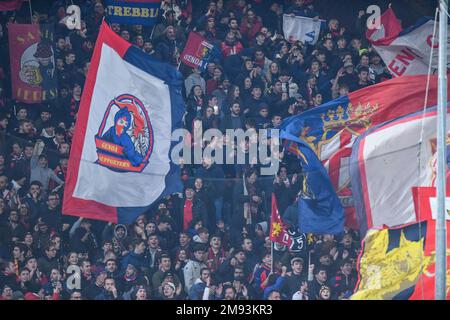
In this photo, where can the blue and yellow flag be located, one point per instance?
(391, 262)
(320, 210)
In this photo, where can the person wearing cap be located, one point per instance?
(168, 291)
(172, 278)
(192, 269)
(294, 277)
(44, 55)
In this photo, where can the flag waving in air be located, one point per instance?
(320, 210)
(278, 232)
(120, 159)
(408, 51)
(332, 128)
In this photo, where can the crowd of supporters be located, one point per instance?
(196, 245)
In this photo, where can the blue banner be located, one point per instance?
(143, 12)
(320, 210)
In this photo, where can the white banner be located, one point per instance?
(409, 52)
(303, 29)
(388, 162)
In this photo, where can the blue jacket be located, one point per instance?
(197, 290)
(276, 286)
(137, 260)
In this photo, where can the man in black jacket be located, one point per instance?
(191, 208)
(168, 49)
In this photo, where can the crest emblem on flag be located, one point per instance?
(125, 138)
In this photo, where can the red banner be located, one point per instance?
(278, 232)
(10, 5)
(195, 51)
(425, 286)
(32, 60)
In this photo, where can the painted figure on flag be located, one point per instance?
(37, 65)
(125, 138)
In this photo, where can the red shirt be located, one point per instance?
(187, 216)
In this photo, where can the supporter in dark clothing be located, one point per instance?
(191, 208)
(234, 120)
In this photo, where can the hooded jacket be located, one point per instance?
(191, 272)
(197, 290)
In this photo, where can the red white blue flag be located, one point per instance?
(408, 51)
(120, 159)
(332, 128)
(388, 162)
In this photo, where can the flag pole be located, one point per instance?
(271, 255)
(441, 258)
(31, 11)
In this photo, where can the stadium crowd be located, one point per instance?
(196, 245)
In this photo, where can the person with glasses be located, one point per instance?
(51, 215)
(49, 260)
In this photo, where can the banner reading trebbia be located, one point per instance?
(143, 12)
(120, 158)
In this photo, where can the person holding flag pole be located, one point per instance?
(278, 232)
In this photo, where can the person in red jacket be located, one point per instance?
(231, 45)
(250, 26)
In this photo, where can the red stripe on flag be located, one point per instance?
(10, 5)
(71, 205)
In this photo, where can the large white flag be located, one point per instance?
(406, 52)
(120, 159)
(303, 29)
(387, 162)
